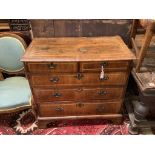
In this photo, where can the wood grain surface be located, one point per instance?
(77, 49)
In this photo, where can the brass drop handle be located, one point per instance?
(79, 76)
(52, 65)
(102, 92)
(57, 94)
(59, 109)
(100, 109)
(54, 79)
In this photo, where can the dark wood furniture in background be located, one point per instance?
(149, 25)
(20, 27)
(4, 25)
(75, 78)
(142, 111)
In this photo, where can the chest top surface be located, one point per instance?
(77, 49)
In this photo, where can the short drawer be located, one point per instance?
(108, 66)
(78, 108)
(84, 79)
(76, 94)
(52, 67)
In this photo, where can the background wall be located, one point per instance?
(77, 28)
(74, 28)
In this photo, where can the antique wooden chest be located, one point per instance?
(76, 78)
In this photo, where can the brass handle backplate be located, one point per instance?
(52, 65)
(59, 109)
(57, 94)
(79, 76)
(54, 79)
(102, 92)
(104, 64)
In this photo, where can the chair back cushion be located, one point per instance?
(11, 50)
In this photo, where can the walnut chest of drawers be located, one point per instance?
(76, 78)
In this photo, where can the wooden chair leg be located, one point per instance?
(31, 31)
(145, 45)
(1, 77)
(133, 31)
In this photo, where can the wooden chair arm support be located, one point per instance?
(135, 46)
(145, 45)
(133, 31)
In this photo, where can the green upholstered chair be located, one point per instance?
(15, 93)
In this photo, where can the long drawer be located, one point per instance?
(82, 94)
(82, 79)
(79, 108)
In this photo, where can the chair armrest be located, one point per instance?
(1, 77)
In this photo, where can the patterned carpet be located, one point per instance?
(25, 123)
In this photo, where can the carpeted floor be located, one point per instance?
(25, 123)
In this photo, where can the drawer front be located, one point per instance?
(79, 108)
(85, 79)
(54, 67)
(108, 66)
(82, 94)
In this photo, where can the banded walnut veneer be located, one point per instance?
(64, 75)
